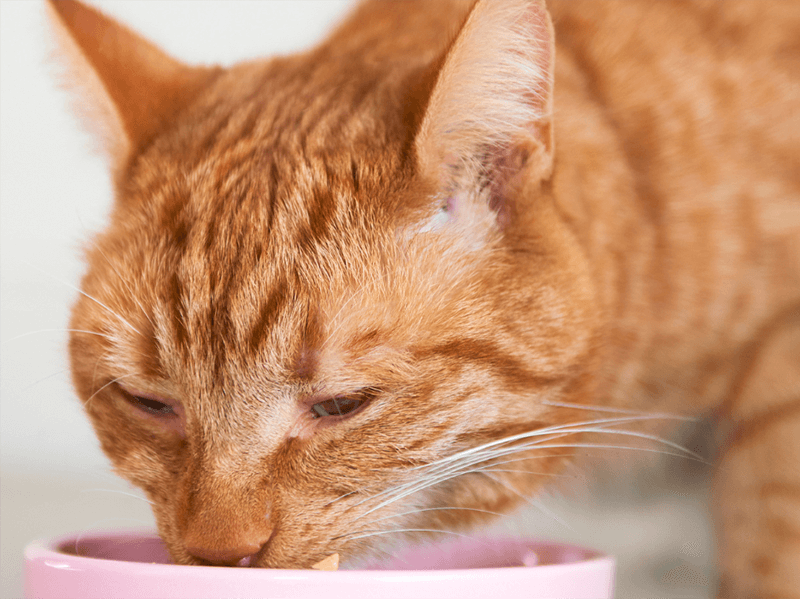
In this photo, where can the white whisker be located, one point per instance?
(94, 299)
(433, 509)
(44, 378)
(119, 493)
(532, 502)
(125, 282)
(119, 378)
(561, 428)
(36, 332)
(482, 453)
(576, 406)
(373, 533)
(463, 467)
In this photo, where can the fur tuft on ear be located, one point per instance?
(490, 111)
(127, 88)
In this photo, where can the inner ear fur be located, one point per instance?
(128, 89)
(490, 111)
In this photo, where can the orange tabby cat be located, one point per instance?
(338, 289)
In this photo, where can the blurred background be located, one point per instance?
(54, 192)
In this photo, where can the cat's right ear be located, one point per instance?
(127, 89)
(489, 116)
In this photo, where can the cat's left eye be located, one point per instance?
(149, 404)
(152, 406)
(342, 405)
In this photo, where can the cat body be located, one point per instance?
(339, 290)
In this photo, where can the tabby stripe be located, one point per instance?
(780, 488)
(781, 529)
(748, 358)
(213, 138)
(763, 565)
(150, 352)
(272, 192)
(488, 355)
(176, 300)
(761, 422)
(652, 199)
(268, 315)
(175, 220)
(354, 174)
(320, 215)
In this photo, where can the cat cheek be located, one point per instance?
(173, 424)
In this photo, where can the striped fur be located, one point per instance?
(471, 219)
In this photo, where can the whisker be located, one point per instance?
(94, 299)
(124, 282)
(43, 379)
(36, 332)
(332, 501)
(101, 357)
(518, 471)
(373, 533)
(629, 447)
(433, 509)
(119, 493)
(561, 428)
(532, 502)
(97, 362)
(456, 461)
(464, 462)
(561, 404)
(482, 470)
(457, 470)
(686, 452)
(119, 378)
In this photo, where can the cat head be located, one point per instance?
(328, 278)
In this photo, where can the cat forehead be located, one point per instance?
(291, 107)
(271, 207)
(274, 139)
(311, 289)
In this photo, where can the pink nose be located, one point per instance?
(243, 555)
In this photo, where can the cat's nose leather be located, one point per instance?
(241, 555)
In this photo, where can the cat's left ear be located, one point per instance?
(489, 117)
(128, 89)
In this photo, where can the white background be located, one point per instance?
(54, 192)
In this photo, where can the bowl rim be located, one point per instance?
(49, 571)
(49, 549)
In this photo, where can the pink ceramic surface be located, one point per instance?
(128, 565)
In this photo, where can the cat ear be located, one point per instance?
(128, 88)
(489, 116)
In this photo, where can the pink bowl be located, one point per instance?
(128, 565)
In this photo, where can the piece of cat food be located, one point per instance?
(330, 563)
(530, 558)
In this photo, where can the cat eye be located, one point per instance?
(343, 405)
(149, 405)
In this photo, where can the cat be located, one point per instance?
(339, 290)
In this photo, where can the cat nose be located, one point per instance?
(241, 555)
